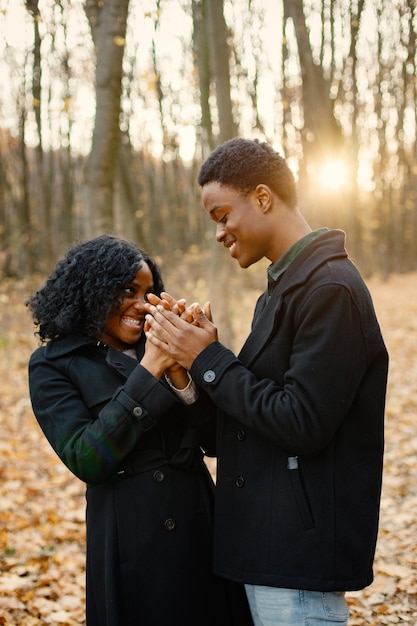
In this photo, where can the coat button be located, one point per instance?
(241, 435)
(137, 411)
(158, 476)
(169, 524)
(209, 376)
(240, 481)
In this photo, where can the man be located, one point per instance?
(301, 409)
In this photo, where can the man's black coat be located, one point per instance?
(300, 449)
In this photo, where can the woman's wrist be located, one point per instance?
(178, 377)
(187, 394)
(153, 366)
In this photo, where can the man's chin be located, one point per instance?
(244, 264)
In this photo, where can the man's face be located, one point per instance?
(241, 222)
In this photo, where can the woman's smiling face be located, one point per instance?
(124, 325)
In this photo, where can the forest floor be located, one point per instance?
(42, 505)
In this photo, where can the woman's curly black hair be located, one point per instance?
(77, 297)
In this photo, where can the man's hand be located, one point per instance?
(182, 339)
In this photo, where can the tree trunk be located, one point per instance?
(108, 27)
(41, 229)
(321, 133)
(201, 55)
(221, 268)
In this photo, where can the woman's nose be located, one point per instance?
(139, 302)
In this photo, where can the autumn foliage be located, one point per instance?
(42, 533)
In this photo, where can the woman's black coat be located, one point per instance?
(149, 495)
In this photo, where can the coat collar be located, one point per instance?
(65, 346)
(329, 246)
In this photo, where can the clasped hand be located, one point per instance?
(180, 332)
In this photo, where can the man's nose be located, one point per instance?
(220, 232)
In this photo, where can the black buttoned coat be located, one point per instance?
(301, 430)
(149, 495)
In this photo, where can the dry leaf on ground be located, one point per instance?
(42, 533)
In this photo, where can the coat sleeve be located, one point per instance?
(92, 446)
(307, 377)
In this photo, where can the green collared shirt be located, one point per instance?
(275, 270)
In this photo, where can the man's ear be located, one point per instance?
(263, 196)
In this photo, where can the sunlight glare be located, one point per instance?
(333, 175)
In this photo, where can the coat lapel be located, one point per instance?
(306, 263)
(262, 329)
(123, 363)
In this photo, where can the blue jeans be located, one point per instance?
(271, 606)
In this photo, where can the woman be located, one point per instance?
(123, 417)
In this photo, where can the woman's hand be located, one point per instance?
(178, 307)
(176, 373)
(157, 361)
(168, 302)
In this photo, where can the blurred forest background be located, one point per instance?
(108, 107)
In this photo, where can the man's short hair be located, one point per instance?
(245, 163)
